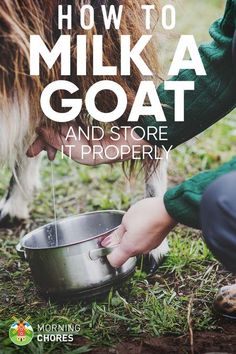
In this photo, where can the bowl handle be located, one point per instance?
(20, 251)
(100, 252)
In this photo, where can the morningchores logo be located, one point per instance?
(57, 332)
(21, 332)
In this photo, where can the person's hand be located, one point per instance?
(143, 228)
(51, 140)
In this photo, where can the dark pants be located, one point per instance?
(218, 219)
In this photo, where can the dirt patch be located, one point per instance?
(204, 343)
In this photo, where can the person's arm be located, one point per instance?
(183, 201)
(148, 222)
(214, 95)
(218, 96)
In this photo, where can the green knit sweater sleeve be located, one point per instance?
(214, 95)
(183, 201)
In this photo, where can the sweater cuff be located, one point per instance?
(183, 208)
(183, 201)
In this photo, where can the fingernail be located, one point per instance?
(106, 242)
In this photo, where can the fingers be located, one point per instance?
(38, 146)
(50, 141)
(119, 255)
(52, 138)
(122, 252)
(114, 238)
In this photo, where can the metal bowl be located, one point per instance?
(67, 259)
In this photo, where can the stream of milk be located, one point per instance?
(54, 203)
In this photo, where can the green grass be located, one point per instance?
(143, 306)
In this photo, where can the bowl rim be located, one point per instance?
(27, 236)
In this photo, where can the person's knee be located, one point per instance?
(218, 218)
